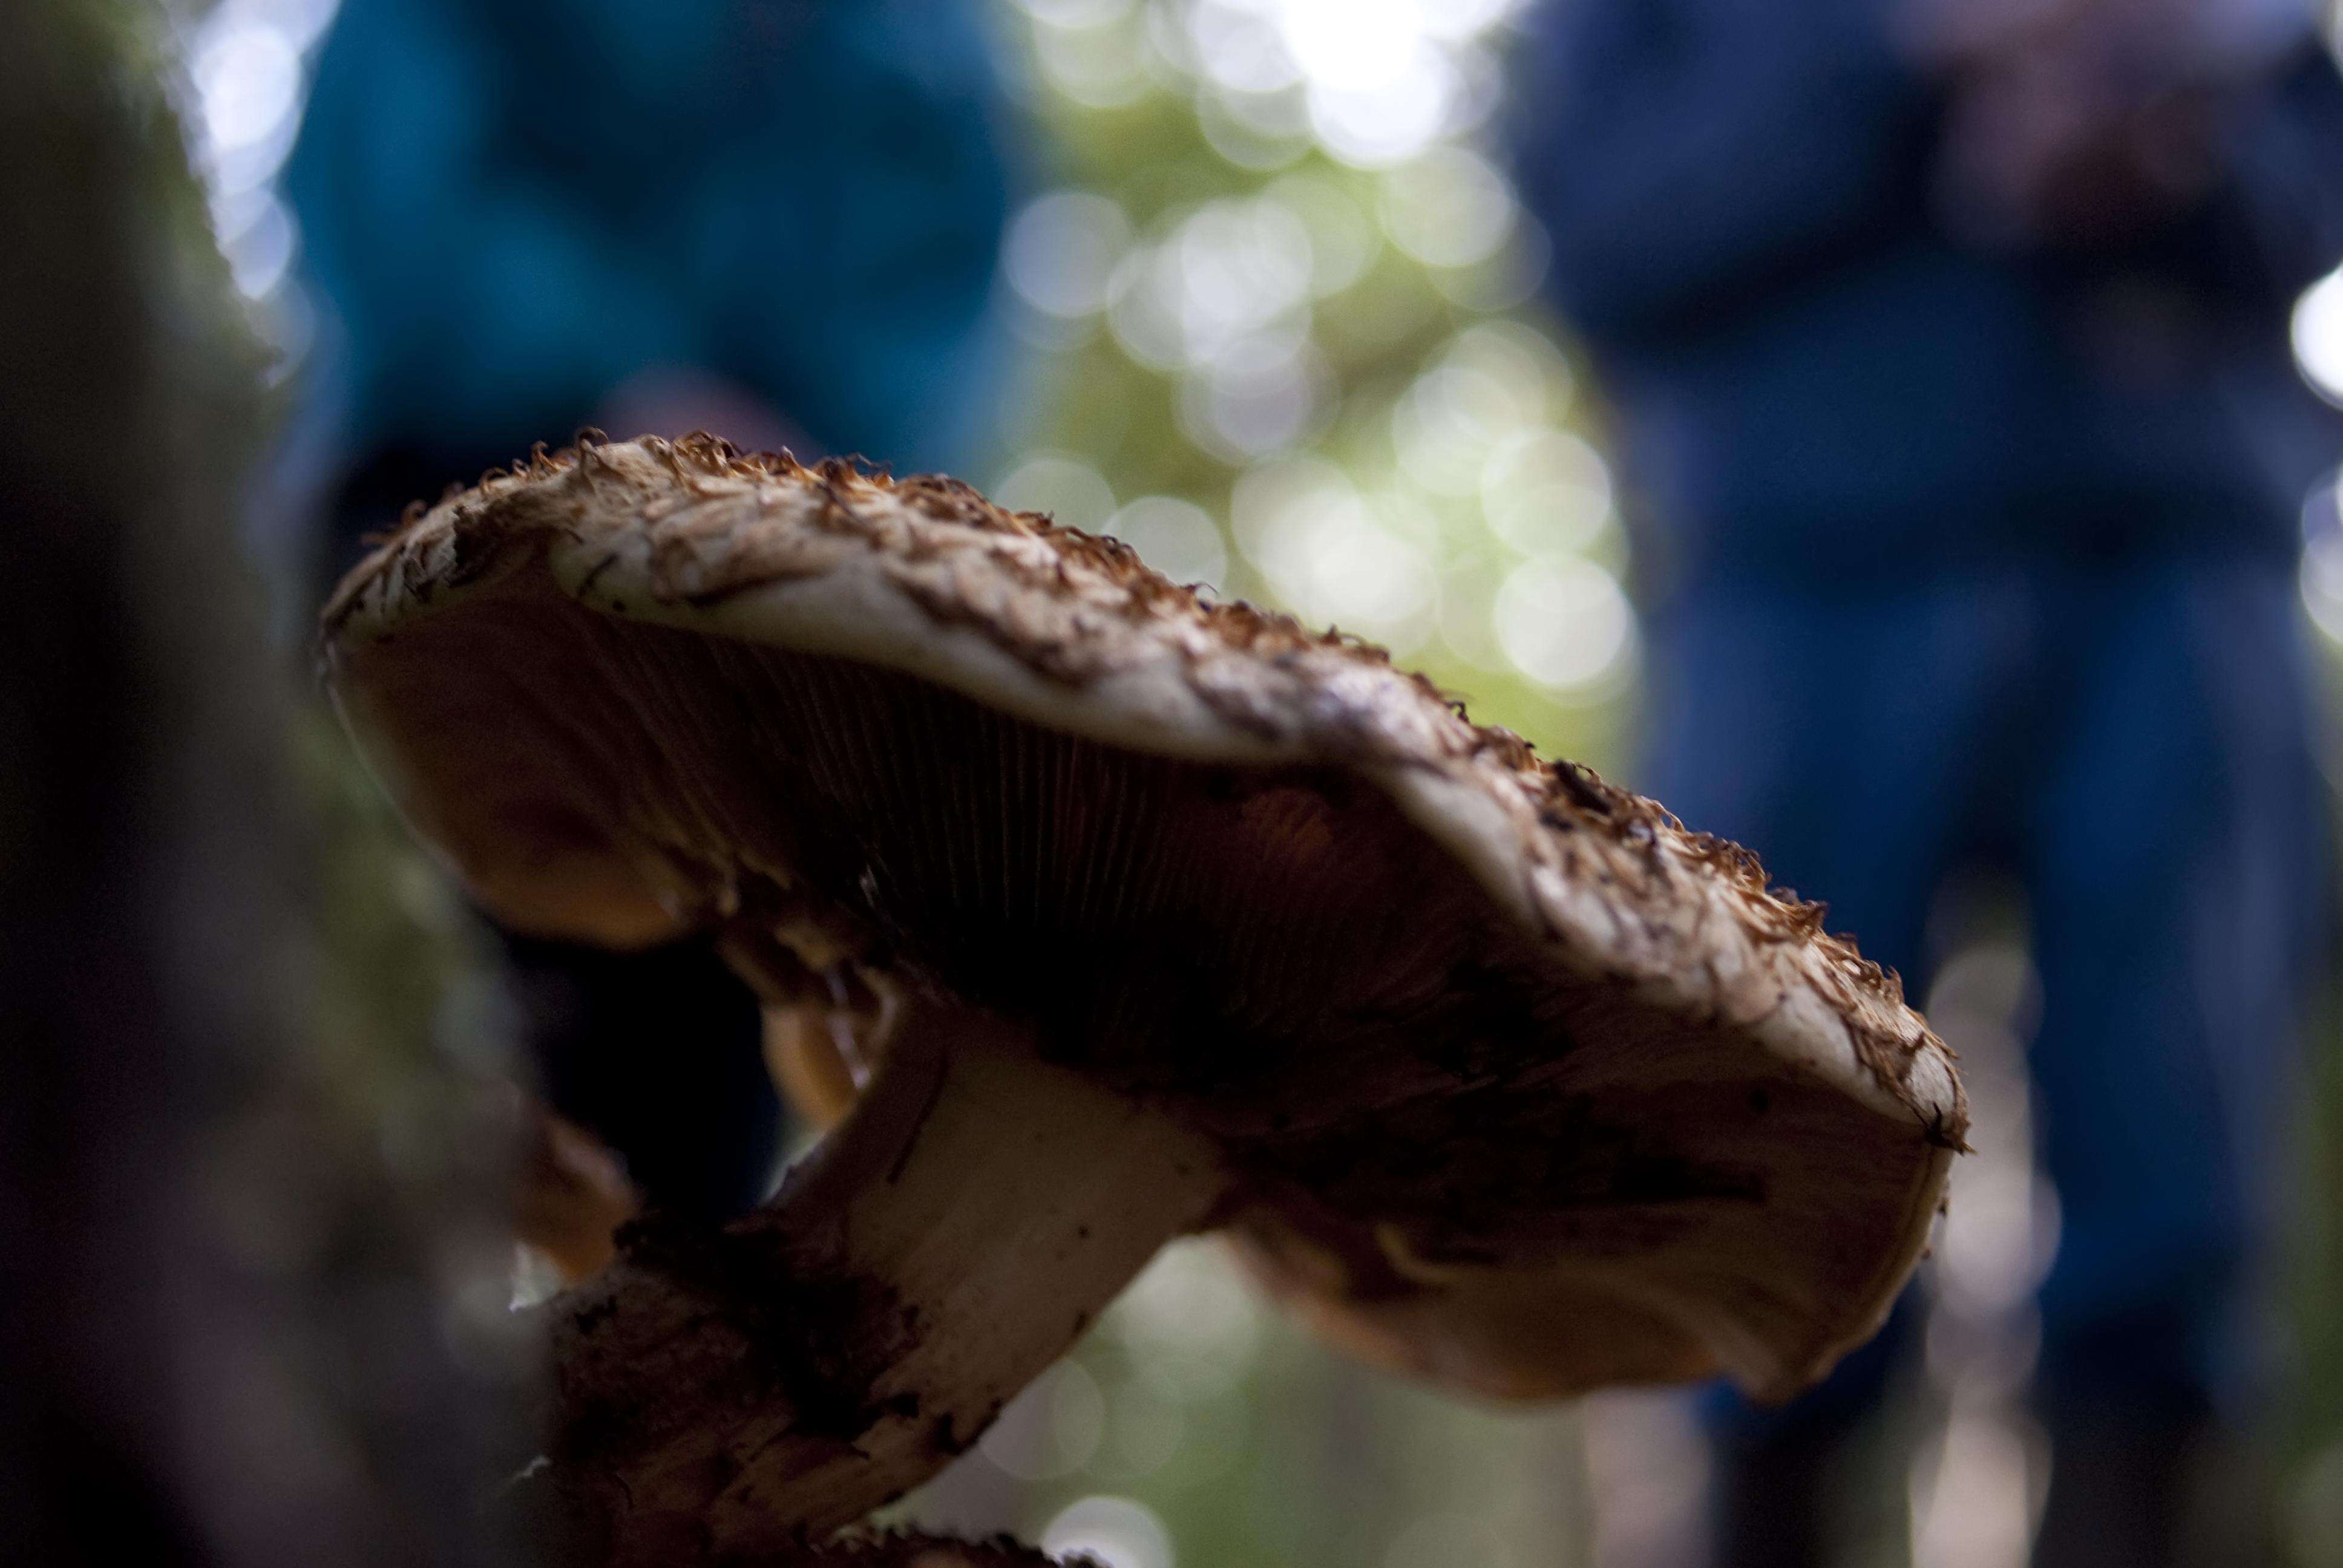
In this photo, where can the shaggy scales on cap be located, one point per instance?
(1175, 915)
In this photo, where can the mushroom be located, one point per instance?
(1136, 913)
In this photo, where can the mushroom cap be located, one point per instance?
(1528, 1088)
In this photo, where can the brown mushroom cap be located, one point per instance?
(1502, 1074)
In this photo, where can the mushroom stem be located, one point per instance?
(740, 1390)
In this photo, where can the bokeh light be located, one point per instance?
(247, 83)
(1051, 1429)
(1059, 486)
(1189, 1323)
(1449, 208)
(1063, 248)
(1331, 554)
(1176, 538)
(2318, 334)
(1088, 53)
(1118, 1531)
(1566, 623)
(1546, 491)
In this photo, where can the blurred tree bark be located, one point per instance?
(250, 1292)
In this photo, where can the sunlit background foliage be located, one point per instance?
(1279, 302)
(1276, 293)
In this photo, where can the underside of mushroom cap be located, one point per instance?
(1529, 1088)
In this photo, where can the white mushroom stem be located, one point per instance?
(733, 1391)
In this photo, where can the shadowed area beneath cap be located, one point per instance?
(1414, 1096)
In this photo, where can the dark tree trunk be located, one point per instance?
(248, 1309)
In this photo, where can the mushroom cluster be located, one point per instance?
(1098, 911)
